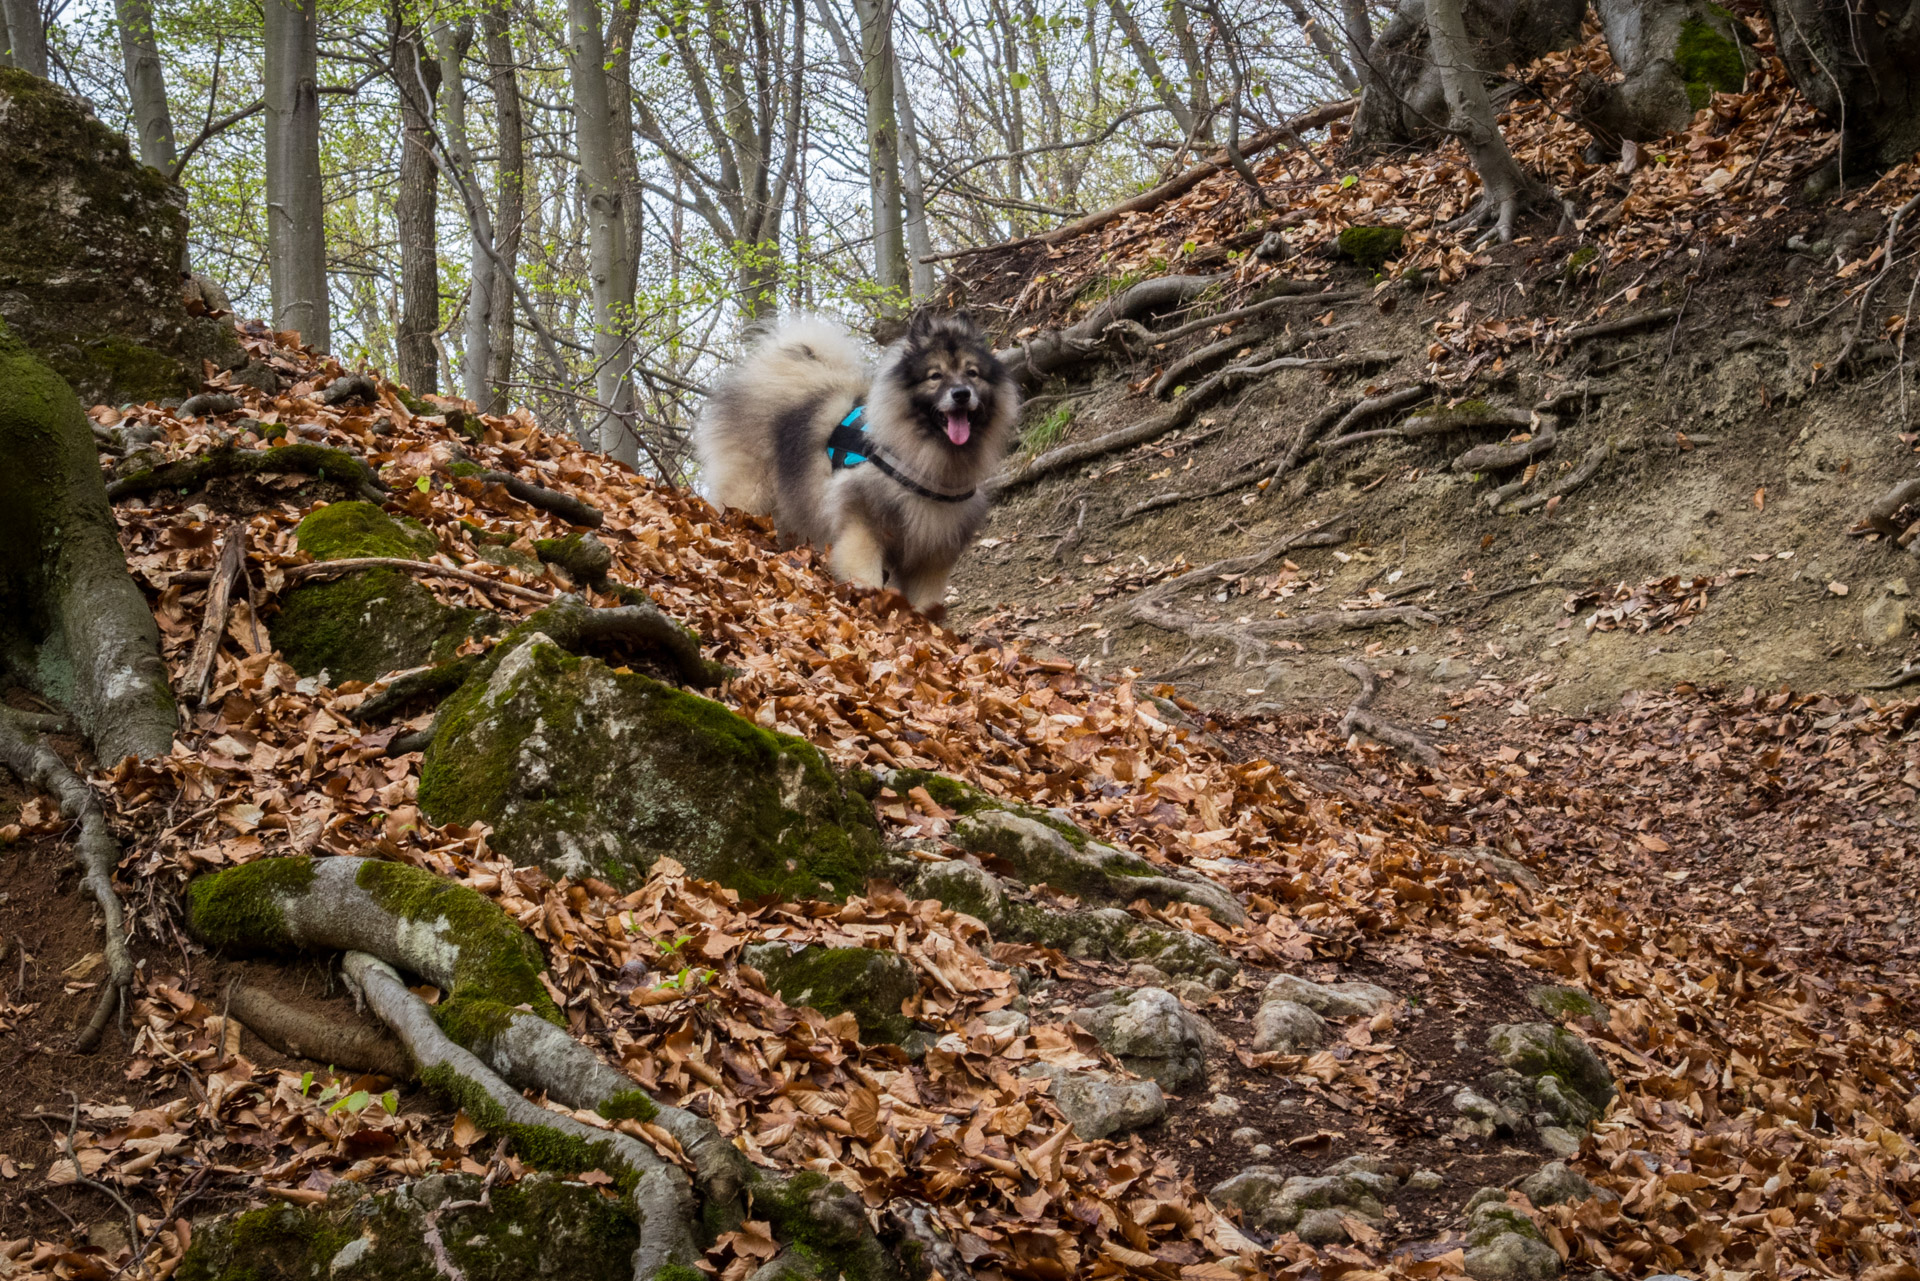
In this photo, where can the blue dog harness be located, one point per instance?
(849, 446)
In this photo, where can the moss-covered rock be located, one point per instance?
(1371, 246)
(591, 771)
(826, 1228)
(581, 555)
(1708, 58)
(1541, 1050)
(1565, 1002)
(91, 245)
(539, 1228)
(1505, 1245)
(868, 983)
(366, 624)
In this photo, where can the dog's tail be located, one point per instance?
(808, 350)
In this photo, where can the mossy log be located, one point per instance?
(185, 474)
(73, 625)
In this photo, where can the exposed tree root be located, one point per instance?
(298, 1033)
(1199, 359)
(1854, 335)
(1908, 675)
(418, 568)
(1577, 393)
(568, 508)
(401, 690)
(348, 387)
(663, 1202)
(1499, 457)
(1308, 433)
(1438, 423)
(1579, 476)
(227, 569)
(1619, 325)
(1881, 515)
(1361, 720)
(1059, 349)
(209, 404)
(1288, 297)
(571, 624)
(192, 473)
(97, 852)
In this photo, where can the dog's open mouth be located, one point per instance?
(959, 427)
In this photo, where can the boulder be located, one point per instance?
(589, 771)
(1286, 1027)
(1058, 854)
(1565, 1071)
(1555, 1183)
(91, 247)
(1270, 1201)
(1482, 1117)
(1333, 1000)
(360, 626)
(1504, 1245)
(1565, 1002)
(1097, 1106)
(868, 983)
(1150, 1032)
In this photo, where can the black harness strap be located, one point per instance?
(849, 446)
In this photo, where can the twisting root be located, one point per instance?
(36, 765)
(1359, 720)
(227, 567)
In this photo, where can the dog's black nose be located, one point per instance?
(961, 395)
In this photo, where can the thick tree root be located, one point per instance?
(1289, 297)
(663, 1202)
(192, 473)
(1881, 515)
(1502, 456)
(418, 568)
(227, 569)
(1619, 325)
(209, 404)
(1360, 720)
(354, 1046)
(36, 765)
(1579, 476)
(350, 387)
(568, 508)
(1059, 349)
(428, 681)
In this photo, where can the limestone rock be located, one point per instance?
(1224, 1106)
(1248, 1135)
(1561, 1064)
(363, 625)
(1286, 1027)
(1097, 1106)
(1150, 1032)
(1555, 1183)
(1558, 1140)
(1040, 852)
(869, 983)
(1426, 1181)
(1011, 1020)
(91, 243)
(1565, 1002)
(1504, 869)
(1271, 1201)
(1504, 1245)
(1884, 621)
(589, 771)
(1334, 1000)
(1483, 1117)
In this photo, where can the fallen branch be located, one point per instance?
(418, 568)
(299, 1034)
(565, 506)
(35, 764)
(227, 568)
(1881, 515)
(1360, 720)
(1168, 190)
(1619, 325)
(192, 473)
(1499, 457)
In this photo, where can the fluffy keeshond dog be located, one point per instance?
(885, 462)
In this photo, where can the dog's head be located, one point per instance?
(950, 377)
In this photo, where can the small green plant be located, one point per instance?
(668, 949)
(1047, 433)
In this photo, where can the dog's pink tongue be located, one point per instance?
(958, 428)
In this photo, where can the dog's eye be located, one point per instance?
(973, 373)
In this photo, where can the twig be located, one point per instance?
(226, 569)
(1754, 169)
(80, 1176)
(1360, 720)
(1866, 297)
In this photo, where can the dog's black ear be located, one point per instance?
(922, 323)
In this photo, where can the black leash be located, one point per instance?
(848, 447)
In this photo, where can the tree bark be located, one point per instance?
(416, 209)
(296, 228)
(26, 36)
(1861, 70)
(146, 86)
(914, 191)
(1329, 51)
(476, 331)
(883, 153)
(1150, 65)
(1674, 55)
(509, 175)
(606, 228)
(1504, 186)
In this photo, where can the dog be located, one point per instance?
(886, 463)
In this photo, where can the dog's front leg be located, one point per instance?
(857, 557)
(926, 590)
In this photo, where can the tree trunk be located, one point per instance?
(476, 333)
(1674, 56)
(883, 154)
(606, 227)
(416, 206)
(296, 228)
(1861, 68)
(1324, 43)
(146, 86)
(626, 162)
(913, 188)
(1150, 66)
(1199, 88)
(1504, 186)
(509, 175)
(26, 35)
(73, 625)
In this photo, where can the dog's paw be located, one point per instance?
(935, 613)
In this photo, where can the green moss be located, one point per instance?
(239, 910)
(1490, 1221)
(868, 983)
(498, 961)
(950, 793)
(826, 1222)
(341, 531)
(1564, 1002)
(581, 555)
(136, 372)
(269, 1244)
(516, 1235)
(1708, 61)
(461, 467)
(1371, 246)
(629, 1105)
(543, 1147)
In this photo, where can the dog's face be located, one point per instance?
(950, 377)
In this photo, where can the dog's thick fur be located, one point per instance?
(762, 444)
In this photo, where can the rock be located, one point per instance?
(1286, 1027)
(363, 625)
(1272, 247)
(1322, 1227)
(1370, 246)
(866, 982)
(1151, 1033)
(91, 242)
(1898, 587)
(1447, 671)
(1334, 1000)
(1103, 933)
(1883, 621)
(1190, 991)
(1504, 869)
(1559, 1062)
(1426, 1181)
(1370, 1170)
(1097, 1106)
(1504, 1245)
(1224, 1106)
(1013, 1020)
(1260, 1151)
(581, 555)
(1558, 1140)
(1565, 1002)
(1041, 852)
(1270, 1201)
(1144, 975)
(538, 1227)
(1483, 1117)
(1554, 1183)
(1248, 1135)
(589, 771)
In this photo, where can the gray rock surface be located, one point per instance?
(1286, 1027)
(1097, 1106)
(1333, 1000)
(1504, 1245)
(1271, 1201)
(1547, 1053)
(1482, 1117)
(1554, 1183)
(1150, 1032)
